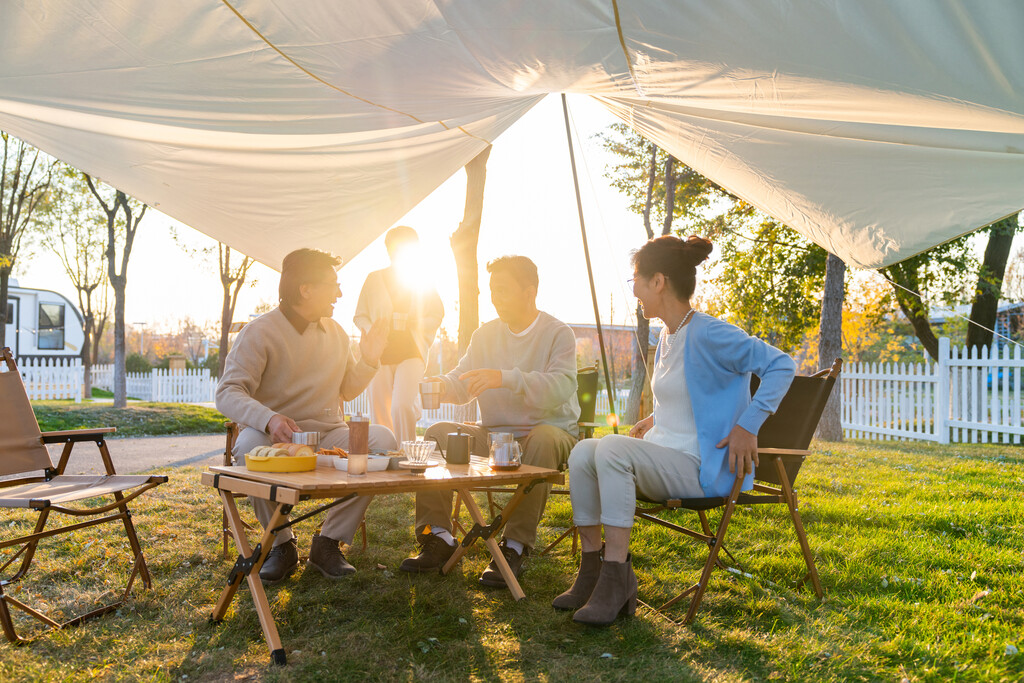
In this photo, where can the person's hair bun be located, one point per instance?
(697, 249)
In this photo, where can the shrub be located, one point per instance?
(136, 362)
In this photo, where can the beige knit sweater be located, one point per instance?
(273, 369)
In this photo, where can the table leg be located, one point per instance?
(259, 596)
(488, 536)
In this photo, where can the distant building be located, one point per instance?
(618, 342)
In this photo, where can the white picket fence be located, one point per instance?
(52, 378)
(159, 385)
(965, 396)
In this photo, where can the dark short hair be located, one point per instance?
(303, 267)
(398, 236)
(522, 269)
(674, 258)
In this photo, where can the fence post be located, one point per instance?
(941, 416)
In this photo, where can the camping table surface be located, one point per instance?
(289, 488)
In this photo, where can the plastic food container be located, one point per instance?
(262, 463)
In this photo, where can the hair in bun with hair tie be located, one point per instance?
(674, 258)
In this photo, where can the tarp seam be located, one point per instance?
(312, 75)
(625, 50)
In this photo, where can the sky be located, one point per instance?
(529, 209)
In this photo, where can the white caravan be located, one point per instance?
(42, 324)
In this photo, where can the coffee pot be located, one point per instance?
(458, 447)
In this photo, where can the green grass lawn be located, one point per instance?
(919, 548)
(138, 419)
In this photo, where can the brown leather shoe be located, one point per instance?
(433, 555)
(583, 586)
(492, 576)
(326, 556)
(280, 563)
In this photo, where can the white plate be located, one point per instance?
(374, 463)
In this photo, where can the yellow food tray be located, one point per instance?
(262, 463)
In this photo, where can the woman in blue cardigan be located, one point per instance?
(703, 429)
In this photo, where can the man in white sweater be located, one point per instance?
(521, 369)
(285, 373)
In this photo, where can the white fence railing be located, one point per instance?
(161, 386)
(48, 379)
(967, 395)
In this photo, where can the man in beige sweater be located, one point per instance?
(285, 373)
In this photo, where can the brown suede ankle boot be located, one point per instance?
(614, 594)
(583, 586)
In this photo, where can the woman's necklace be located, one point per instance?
(669, 338)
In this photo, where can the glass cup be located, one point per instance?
(417, 452)
(430, 394)
(357, 464)
(506, 455)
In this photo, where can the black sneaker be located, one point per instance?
(433, 554)
(280, 563)
(493, 577)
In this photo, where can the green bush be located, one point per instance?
(136, 362)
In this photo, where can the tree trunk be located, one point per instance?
(985, 307)
(87, 357)
(5, 276)
(912, 307)
(226, 313)
(118, 284)
(830, 344)
(464, 244)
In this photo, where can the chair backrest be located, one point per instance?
(793, 423)
(586, 392)
(21, 442)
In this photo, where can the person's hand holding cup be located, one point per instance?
(431, 390)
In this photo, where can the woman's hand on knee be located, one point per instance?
(742, 447)
(642, 427)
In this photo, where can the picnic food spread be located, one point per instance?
(340, 452)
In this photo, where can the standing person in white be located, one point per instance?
(285, 373)
(415, 311)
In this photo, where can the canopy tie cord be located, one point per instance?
(953, 312)
(627, 294)
(590, 270)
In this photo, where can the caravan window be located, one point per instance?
(51, 326)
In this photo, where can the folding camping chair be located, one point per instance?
(231, 429)
(782, 447)
(586, 395)
(45, 489)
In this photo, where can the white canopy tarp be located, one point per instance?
(877, 129)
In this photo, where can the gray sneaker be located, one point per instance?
(326, 556)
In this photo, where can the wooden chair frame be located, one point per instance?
(773, 485)
(46, 493)
(226, 532)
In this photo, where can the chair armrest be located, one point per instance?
(77, 435)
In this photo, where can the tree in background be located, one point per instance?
(950, 274)
(25, 178)
(985, 306)
(233, 275)
(655, 183)
(77, 235)
(464, 246)
(114, 203)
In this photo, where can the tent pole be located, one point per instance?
(590, 270)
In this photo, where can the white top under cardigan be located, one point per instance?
(674, 424)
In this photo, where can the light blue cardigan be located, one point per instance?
(719, 359)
